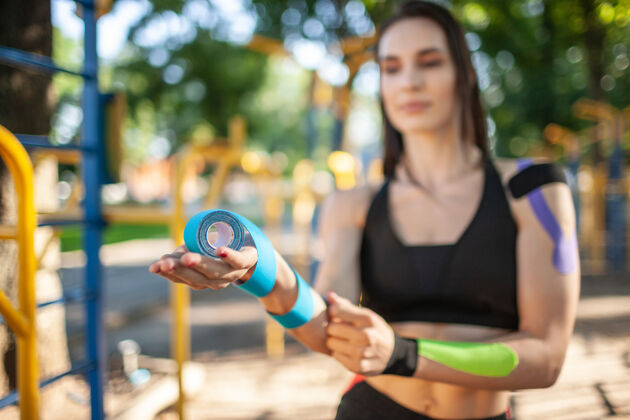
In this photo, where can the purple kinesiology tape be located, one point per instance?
(564, 255)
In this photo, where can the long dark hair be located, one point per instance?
(473, 116)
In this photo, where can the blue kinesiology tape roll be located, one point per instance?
(302, 310)
(198, 227)
(196, 240)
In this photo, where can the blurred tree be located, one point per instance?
(186, 66)
(534, 59)
(179, 74)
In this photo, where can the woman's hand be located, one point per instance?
(358, 338)
(201, 272)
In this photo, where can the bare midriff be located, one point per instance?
(441, 400)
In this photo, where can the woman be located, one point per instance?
(468, 269)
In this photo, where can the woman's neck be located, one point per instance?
(435, 158)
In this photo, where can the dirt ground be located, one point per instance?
(234, 378)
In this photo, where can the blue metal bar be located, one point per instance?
(23, 59)
(85, 3)
(13, 398)
(337, 136)
(616, 203)
(94, 328)
(93, 222)
(29, 140)
(81, 367)
(73, 296)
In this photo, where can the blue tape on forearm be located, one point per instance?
(302, 310)
(196, 239)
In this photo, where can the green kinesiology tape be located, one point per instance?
(483, 359)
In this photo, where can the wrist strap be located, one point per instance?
(404, 358)
(483, 359)
(302, 310)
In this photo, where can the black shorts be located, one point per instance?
(362, 402)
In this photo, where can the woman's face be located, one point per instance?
(418, 77)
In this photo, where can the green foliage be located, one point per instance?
(67, 53)
(202, 81)
(544, 56)
(195, 78)
(534, 60)
(276, 112)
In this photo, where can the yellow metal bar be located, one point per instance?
(180, 294)
(238, 132)
(218, 153)
(180, 298)
(8, 232)
(274, 338)
(218, 179)
(355, 62)
(226, 157)
(19, 164)
(590, 109)
(46, 247)
(71, 214)
(13, 317)
(137, 214)
(75, 195)
(121, 214)
(356, 44)
(68, 157)
(268, 46)
(102, 8)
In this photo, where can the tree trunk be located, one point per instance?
(594, 36)
(594, 41)
(25, 108)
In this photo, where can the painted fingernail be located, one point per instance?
(223, 254)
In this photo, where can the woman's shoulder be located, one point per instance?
(553, 186)
(349, 207)
(510, 167)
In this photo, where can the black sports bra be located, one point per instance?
(472, 281)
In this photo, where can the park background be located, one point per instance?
(264, 108)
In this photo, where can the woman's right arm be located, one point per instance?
(340, 226)
(340, 235)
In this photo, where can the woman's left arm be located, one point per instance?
(548, 275)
